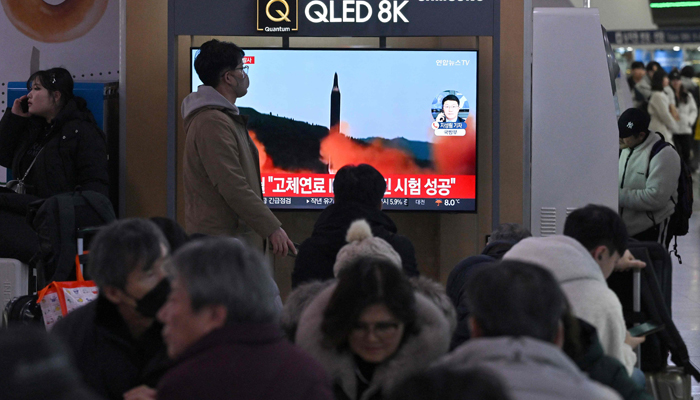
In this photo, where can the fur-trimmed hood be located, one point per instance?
(305, 293)
(415, 354)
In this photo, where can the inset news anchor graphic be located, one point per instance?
(278, 15)
(314, 111)
(450, 110)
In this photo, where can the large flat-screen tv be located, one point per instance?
(409, 113)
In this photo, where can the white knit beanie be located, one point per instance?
(361, 243)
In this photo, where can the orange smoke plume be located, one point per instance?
(341, 150)
(267, 164)
(451, 154)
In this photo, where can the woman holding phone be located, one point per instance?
(50, 141)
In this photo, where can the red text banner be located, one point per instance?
(398, 186)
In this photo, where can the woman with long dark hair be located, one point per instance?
(688, 113)
(659, 107)
(50, 141)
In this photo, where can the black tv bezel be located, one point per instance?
(478, 107)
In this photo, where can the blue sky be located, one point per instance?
(383, 93)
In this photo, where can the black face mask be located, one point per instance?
(149, 304)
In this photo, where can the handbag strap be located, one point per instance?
(32, 164)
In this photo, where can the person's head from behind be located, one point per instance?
(49, 91)
(652, 67)
(601, 231)
(659, 80)
(35, 365)
(126, 262)
(371, 311)
(446, 383)
(450, 107)
(509, 232)
(220, 65)
(637, 70)
(633, 127)
(688, 72)
(515, 298)
(361, 184)
(216, 281)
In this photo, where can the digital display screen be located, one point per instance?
(409, 113)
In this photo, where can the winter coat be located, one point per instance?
(110, 360)
(688, 112)
(661, 119)
(644, 87)
(415, 353)
(317, 254)
(245, 362)
(303, 295)
(585, 287)
(647, 201)
(74, 151)
(530, 369)
(458, 277)
(601, 368)
(223, 194)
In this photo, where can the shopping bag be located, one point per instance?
(59, 298)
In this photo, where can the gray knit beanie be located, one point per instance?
(361, 244)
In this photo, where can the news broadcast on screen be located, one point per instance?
(411, 114)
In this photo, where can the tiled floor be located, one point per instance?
(686, 287)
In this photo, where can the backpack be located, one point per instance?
(56, 221)
(679, 222)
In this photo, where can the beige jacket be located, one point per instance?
(223, 195)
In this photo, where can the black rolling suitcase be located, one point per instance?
(648, 302)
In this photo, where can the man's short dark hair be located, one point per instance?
(214, 58)
(450, 97)
(653, 65)
(510, 232)
(121, 247)
(637, 65)
(596, 225)
(359, 183)
(515, 298)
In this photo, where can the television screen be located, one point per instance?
(409, 113)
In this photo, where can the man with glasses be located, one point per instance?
(223, 195)
(450, 109)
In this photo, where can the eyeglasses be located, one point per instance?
(243, 68)
(382, 330)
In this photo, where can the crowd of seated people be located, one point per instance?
(181, 317)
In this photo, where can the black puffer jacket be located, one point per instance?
(110, 360)
(317, 253)
(74, 154)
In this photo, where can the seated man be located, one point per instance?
(115, 340)
(358, 195)
(582, 260)
(220, 326)
(501, 240)
(518, 334)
